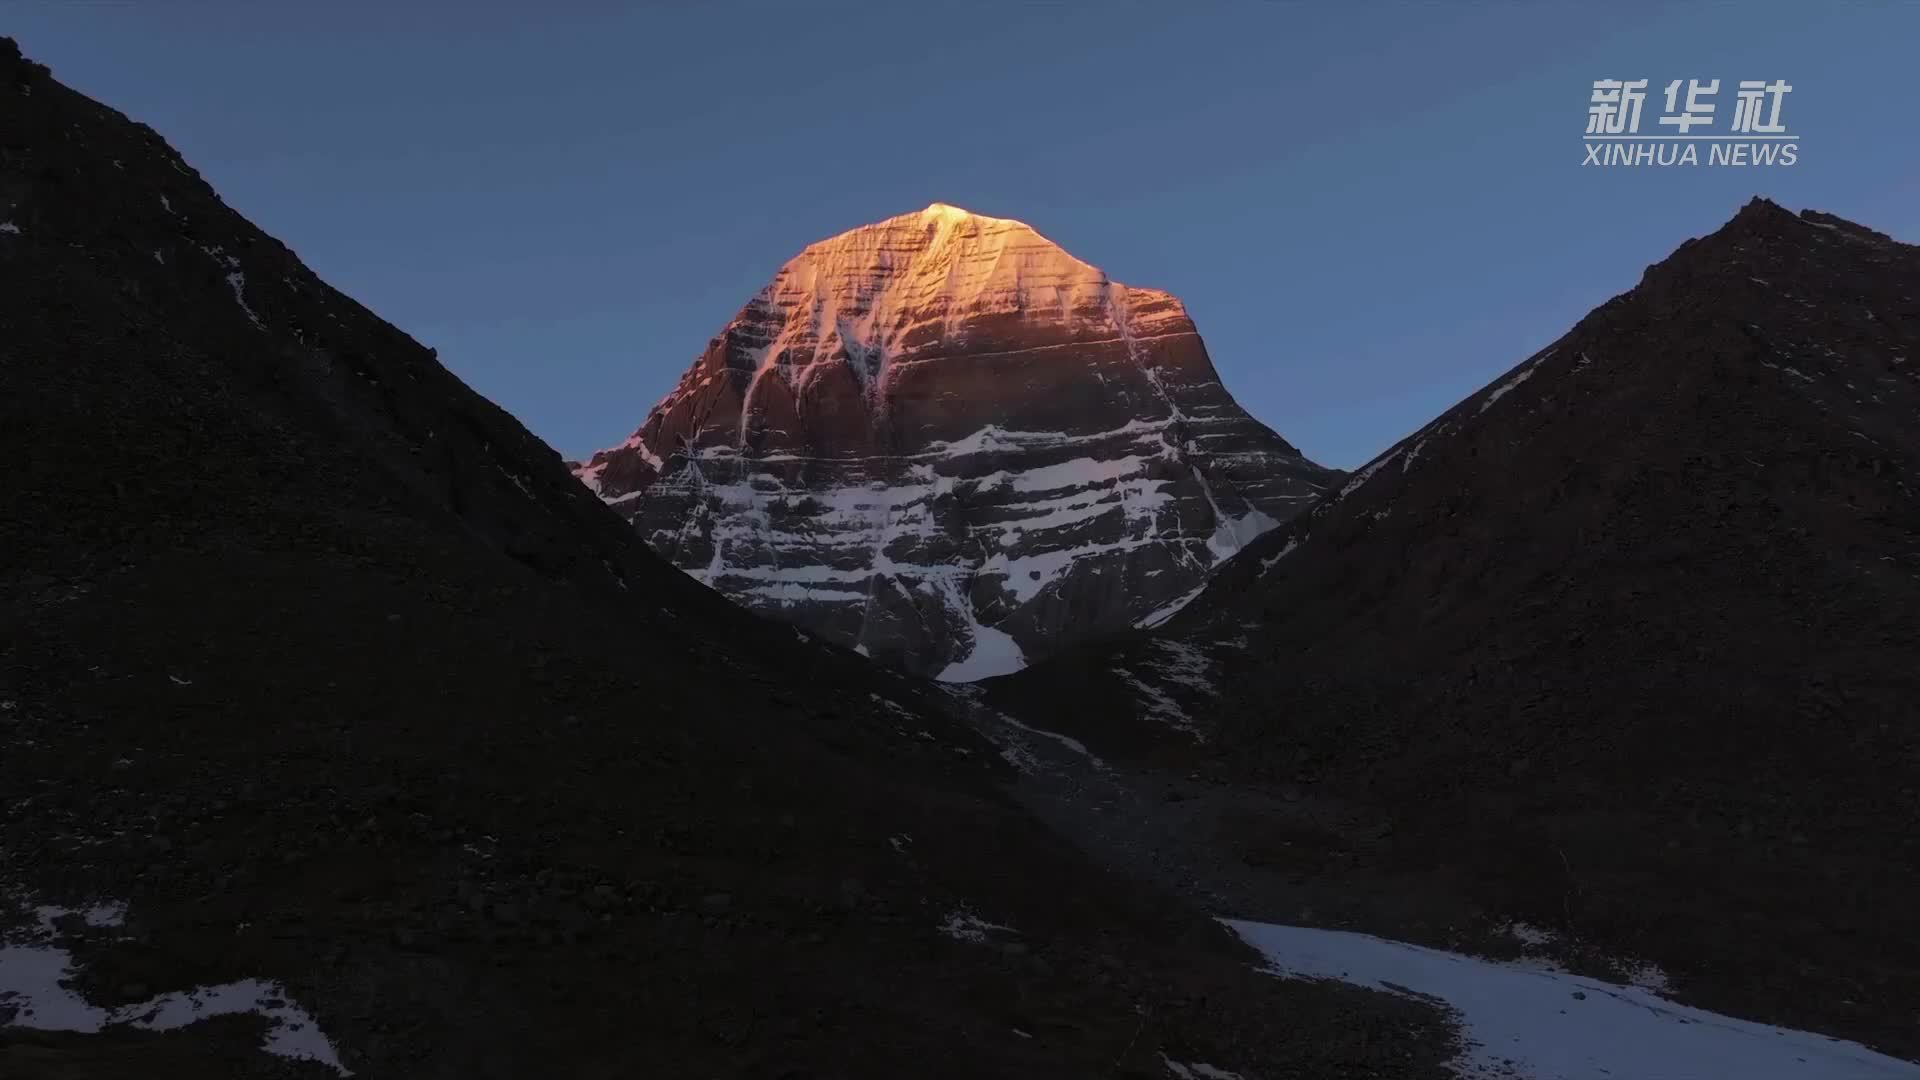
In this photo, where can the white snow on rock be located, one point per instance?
(1020, 758)
(590, 476)
(1648, 977)
(1267, 563)
(35, 992)
(1170, 662)
(9, 227)
(1162, 614)
(1529, 935)
(863, 528)
(1230, 534)
(1017, 744)
(1196, 1071)
(964, 925)
(1519, 377)
(1185, 664)
(994, 653)
(1533, 1024)
(1366, 473)
(1157, 703)
(237, 281)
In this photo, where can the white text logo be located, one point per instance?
(1754, 133)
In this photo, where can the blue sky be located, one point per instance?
(1371, 209)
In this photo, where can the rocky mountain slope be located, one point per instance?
(1623, 646)
(946, 442)
(331, 701)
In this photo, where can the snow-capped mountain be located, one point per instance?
(945, 441)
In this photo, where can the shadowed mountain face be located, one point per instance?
(943, 440)
(337, 678)
(1624, 644)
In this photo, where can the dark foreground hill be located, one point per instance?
(332, 673)
(1626, 645)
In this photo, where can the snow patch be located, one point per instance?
(1196, 1071)
(860, 529)
(1530, 936)
(994, 652)
(638, 444)
(1067, 741)
(237, 281)
(964, 925)
(1230, 534)
(517, 481)
(1648, 977)
(1266, 564)
(1172, 608)
(1519, 377)
(894, 707)
(1234, 534)
(9, 227)
(1080, 472)
(36, 992)
(1184, 664)
(1546, 1025)
(1020, 758)
(1157, 703)
(1366, 473)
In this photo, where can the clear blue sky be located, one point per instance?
(1371, 209)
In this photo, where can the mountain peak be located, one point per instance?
(949, 214)
(946, 211)
(907, 286)
(940, 229)
(941, 438)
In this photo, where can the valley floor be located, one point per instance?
(1528, 1004)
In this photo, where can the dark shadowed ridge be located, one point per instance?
(1622, 645)
(335, 675)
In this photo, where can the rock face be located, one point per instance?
(1626, 641)
(943, 440)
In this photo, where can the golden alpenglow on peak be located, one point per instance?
(943, 440)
